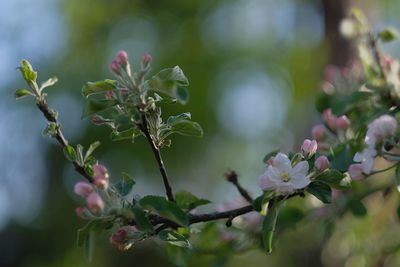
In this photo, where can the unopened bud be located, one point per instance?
(83, 189)
(122, 58)
(322, 163)
(342, 122)
(318, 132)
(120, 238)
(231, 176)
(109, 95)
(146, 59)
(83, 213)
(100, 176)
(95, 202)
(114, 67)
(309, 147)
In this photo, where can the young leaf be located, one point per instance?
(27, 72)
(170, 82)
(165, 208)
(188, 201)
(70, 153)
(48, 83)
(79, 154)
(98, 87)
(260, 201)
(174, 238)
(125, 135)
(189, 128)
(91, 148)
(20, 93)
(95, 106)
(357, 208)
(124, 187)
(321, 191)
(268, 227)
(178, 118)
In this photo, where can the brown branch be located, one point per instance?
(377, 55)
(157, 154)
(232, 177)
(59, 136)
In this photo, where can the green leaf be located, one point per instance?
(98, 87)
(321, 191)
(95, 106)
(165, 208)
(388, 35)
(188, 201)
(50, 82)
(358, 208)
(125, 135)
(178, 118)
(290, 216)
(260, 201)
(124, 187)
(333, 178)
(91, 149)
(70, 153)
(142, 222)
(174, 238)
(170, 82)
(27, 72)
(270, 155)
(20, 93)
(268, 227)
(79, 154)
(189, 128)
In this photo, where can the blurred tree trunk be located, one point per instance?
(342, 51)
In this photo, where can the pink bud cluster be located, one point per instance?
(309, 148)
(119, 63)
(335, 123)
(94, 201)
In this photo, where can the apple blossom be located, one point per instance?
(356, 172)
(95, 202)
(322, 163)
(282, 177)
(83, 189)
(382, 127)
(122, 58)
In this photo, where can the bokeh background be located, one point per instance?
(255, 67)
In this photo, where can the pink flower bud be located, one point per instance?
(120, 238)
(100, 176)
(329, 118)
(309, 147)
(114, 67)
(356, 172)
(95, 202)
(270, 161)
(322, 163)
(318, 132)
(83, 189)
(146, 59)
(122, 58)
(342, 122)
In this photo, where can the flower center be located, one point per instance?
(285, 177)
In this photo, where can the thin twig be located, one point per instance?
(59, 136)
(232, 177)
(376, 54)
(157, 154)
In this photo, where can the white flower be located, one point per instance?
(382, 127)
(366, 157)
(282, 177)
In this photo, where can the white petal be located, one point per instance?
(300, 181)
(368, 165)
(265, 183)
(300, 168)
(282, 162)
(285, 187)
